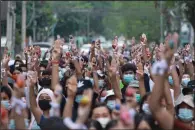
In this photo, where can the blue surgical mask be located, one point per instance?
(91, 79)
(186, 115)
(78, 98)
(185, 81)
(111, 104)
(6, 104)
(138, 97)
(146, 108)
(12, 124)
(101, 83)
(171, 80)
(128, 78)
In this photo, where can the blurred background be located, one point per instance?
(26, 23)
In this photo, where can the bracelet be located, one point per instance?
(18, 104)
(55, 62)
(159, 67)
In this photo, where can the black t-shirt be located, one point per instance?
(53, 123)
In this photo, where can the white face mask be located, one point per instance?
(146, 108)
(103, 121)
(101, 83)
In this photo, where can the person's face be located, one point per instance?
(186, 76)
(143, 126)
(4, 96)
(44, 96)
(42, 68)
(100, 112)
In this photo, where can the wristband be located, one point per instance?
(18, 104)
(159, 67)
(55, 62)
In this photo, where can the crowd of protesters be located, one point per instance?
(140, 88)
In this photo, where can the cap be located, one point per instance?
(134, 84)
(188, 99)
(109, 93)
(100, 73)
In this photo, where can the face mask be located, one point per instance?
(45, 82)
(6, 104)
(44, 104)
(138, 97)
(146, 108)
(101, 83)
(91, 79)
(103, 121)
(12, 124)
(78, 98)
(185, 114)
(185, 81)
(170, 80)
(128, 78)
(111, 104)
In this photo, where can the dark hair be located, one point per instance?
(6, 90)
(144, 98)
(127, 67)
(46, 72)
(99, 105)
(18, 61)
(95, 124)
(19, 69)
(139, 117)
(22, 65)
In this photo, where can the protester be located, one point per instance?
(132, 88)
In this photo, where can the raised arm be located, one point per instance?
(72, 89)
(55, 67)
(32, 77)
(164, 118)
(176, 83)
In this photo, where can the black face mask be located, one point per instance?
(44, 104)
(45, 82)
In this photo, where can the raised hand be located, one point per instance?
(140, 72)
(56, 54)
(72, 86)
(32, 78)
(6, 59)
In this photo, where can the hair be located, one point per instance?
(22, 65)
(6, 90)
(127, 67)
(99, 105)
(139, 117)
(46, 72)
(144, 98)
(18, 61)
(19, 69)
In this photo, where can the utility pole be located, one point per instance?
(23, 24)
(161, 22)
(13, 26)
(34, 23)
(9, 26)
